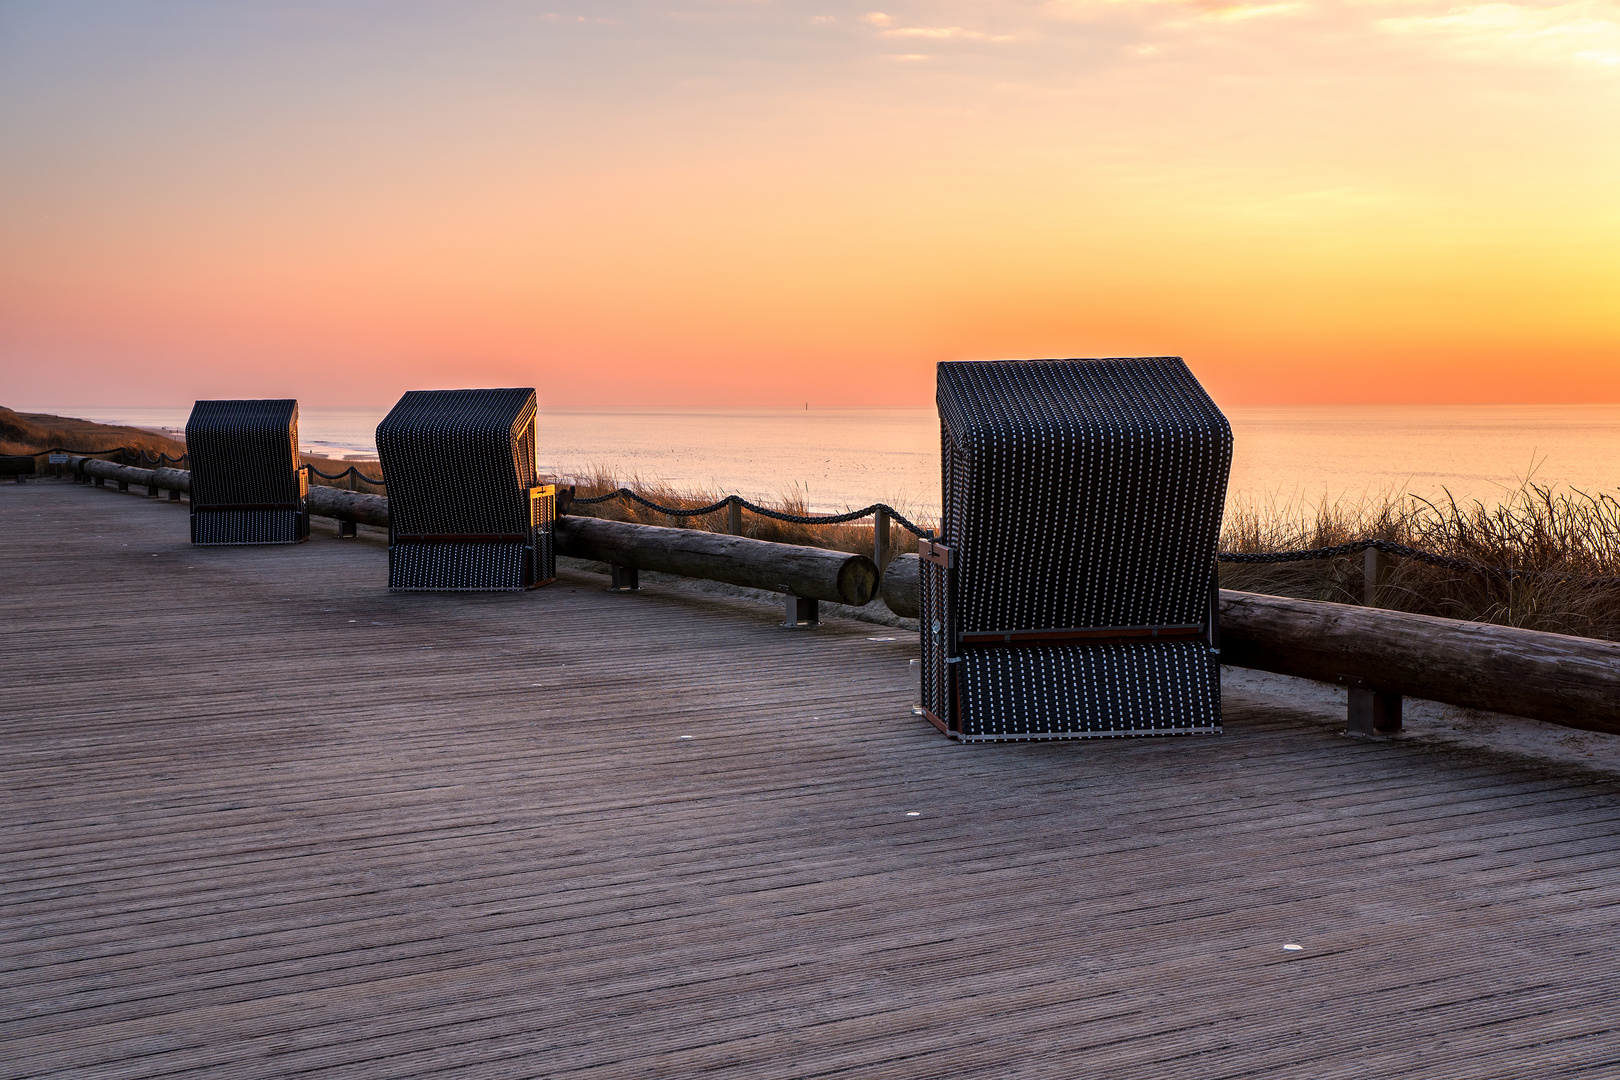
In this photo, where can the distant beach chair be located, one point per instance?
(1072, 591)
(465, 510)
(247, 484)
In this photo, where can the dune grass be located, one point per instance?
(24, 433)
(1565, 543)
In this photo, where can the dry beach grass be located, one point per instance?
(24, 433)
(1564, 544)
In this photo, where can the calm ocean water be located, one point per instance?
(851, 457)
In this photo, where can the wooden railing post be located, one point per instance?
(881, 552)
(1371, 711)
(1374, 569)
(734, 516)
(348, 530)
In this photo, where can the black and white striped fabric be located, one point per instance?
(1078, 495)
(247, 484)
(464, 567)
(1077, 691)
(466, 512)
(248, 526)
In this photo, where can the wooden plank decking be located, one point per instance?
(263, 819)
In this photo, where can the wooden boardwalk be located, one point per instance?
(263, 819)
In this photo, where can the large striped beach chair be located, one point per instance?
(465, 509)
(247, 485)
(1072, 591)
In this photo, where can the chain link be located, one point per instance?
(82, 453)
(138, 453)
(162, 458)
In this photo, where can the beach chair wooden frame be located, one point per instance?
(247, 483)
(1071, 593)
(466, 511)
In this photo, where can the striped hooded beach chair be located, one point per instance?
(465, 510)
(1072, 591)
(247, 484)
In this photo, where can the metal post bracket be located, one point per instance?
(802, 612)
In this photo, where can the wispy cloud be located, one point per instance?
(1238, 12)
(886, 24)
(1585, 31)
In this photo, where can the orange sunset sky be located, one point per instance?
(746, 202)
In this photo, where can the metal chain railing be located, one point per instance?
(1353, 548)
(796, 519)
(1390, 547)
(139, 453)
(350, 471)
(82, 453)
(161, 459)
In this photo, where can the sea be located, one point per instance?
(1287, 458)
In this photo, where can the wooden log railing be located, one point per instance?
(347, 506)
(1552, 677)
(807, 573)
(1558, 678)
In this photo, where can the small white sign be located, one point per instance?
(58, 459)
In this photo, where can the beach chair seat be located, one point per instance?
(247, 483)
(466, 511)
(1071, 592)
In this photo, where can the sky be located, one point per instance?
(741, 202)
